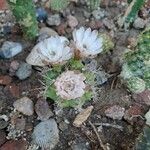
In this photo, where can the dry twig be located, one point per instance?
(109, 125)
(99, 139)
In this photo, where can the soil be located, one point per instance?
(111, 93)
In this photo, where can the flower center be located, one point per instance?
(69, 86)
(52, 53)
(84, 46)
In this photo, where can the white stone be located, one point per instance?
(24, 105)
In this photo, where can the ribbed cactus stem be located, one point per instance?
(24, 12)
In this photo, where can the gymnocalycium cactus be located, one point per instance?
(59, 4)
(69, 85)
(136, 69)
(94, 4)
(25, 15)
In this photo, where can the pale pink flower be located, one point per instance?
(70, 85)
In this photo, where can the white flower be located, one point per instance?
(53, 50)
(87, 42)
(70, 85)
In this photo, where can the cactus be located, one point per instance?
(94, 4)
(51, 76)
(136, 69)
(107, 42)
(143, 142)
(59, 4)
(131, 12)
(25, 15)
(136, 85)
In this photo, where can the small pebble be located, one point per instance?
(24, 71)
(13, 67)
(132, 112)
(45, 33)
(41, 14)
(115, 112)
(139, 23)
(72, 21)
(5, 80)
(3, 124)
(98, 14)
(42, 109)
(53, 20)
(10, 49)
(108, 23)
(15, 145)
(6, 30)
(24, 105)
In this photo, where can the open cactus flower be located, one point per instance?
(87, 43)
(54, 50)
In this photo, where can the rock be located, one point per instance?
(41, 14)
(115, 112)
(19, 123)
(3, 5)
(53, 20)
(108, 23)
(86, 14)
(139, 23)
(12, 89)
(63, 126)
(147, 117)
(132, 42)
(95, 25)
(80, 146)
(10, 49)
(46, 134)
(24, 71)
(121, 38)
(6, 30)
(13, 67)
(3, 124)
(24, 105)
(61, 29)
(5, 80)
(42, 109)
(72, 21)
(132, 112)
(82, 116)
(98, 14)
(15, 145)
(46, 32)
(143, 98)
(101, 77)
(2, 137)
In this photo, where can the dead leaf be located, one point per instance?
(82, 116)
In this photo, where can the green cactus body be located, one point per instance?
(25, 15)
(136, 85)
(107, 42)
(131, 12)
(94, 4)
(59, 4)
(137, 64)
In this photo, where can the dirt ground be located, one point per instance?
(121, 136)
